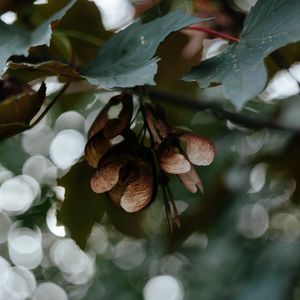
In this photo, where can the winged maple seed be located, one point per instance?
(124, 170)
(127, 171)
(179, 149)
(103, 129)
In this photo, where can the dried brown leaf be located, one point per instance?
(12, 87)
(48, 68)
(17, 111)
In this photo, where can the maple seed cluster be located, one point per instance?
(129, 171)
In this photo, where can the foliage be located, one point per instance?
(17, 111)
(17, 41)
(126, 60)
(268, 26)
(161, 175)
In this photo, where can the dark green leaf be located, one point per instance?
(17, 41)
(126, 60)
(270, 24)
(82, 208)
(11, 5)
(84, 31)
(17, 112)
(130, 224)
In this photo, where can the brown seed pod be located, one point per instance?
(127, 176)
(104, 129)
(172, 162)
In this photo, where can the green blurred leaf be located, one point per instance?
(240, 68)
(14, 5)
(82, 208)
(126, 60)
(17, 111)
(17, 41)
(129, 224)
(85, 31)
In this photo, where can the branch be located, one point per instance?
(197, 104)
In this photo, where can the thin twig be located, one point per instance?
(197, 104)
(173, 205)
(42, 115)
(221, 35)
(168, 210)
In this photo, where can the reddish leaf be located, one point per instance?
(11, 87)
(48, 68)
(17, 112)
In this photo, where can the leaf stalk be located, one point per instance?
(221, 35)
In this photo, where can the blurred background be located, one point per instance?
(239, 240)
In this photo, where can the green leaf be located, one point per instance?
(17, 111)
(17, 41)
(84, 31)
(11, 5)
(126, 60)
(269, 25)
(82, 208)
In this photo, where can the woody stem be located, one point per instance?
(168, 199)
(167, 209)
(201, 105)
(173, 205)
